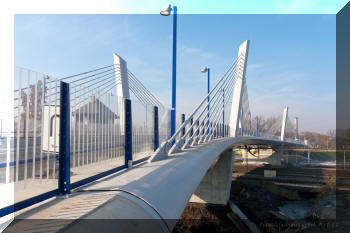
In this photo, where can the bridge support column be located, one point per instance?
(216, 184)
(280, 152)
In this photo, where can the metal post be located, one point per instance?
(128, 133)
(191, 133)
(197, 128)
(223, 112)
(183, 121)
(173, 104)
(156, 129)
(64, 152)
(208, 99)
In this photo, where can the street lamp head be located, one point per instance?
(166, 10)
(204, 70)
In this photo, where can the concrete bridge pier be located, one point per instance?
(280, 153)
(216, 184)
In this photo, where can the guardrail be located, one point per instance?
(103, 135)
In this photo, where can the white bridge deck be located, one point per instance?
(157, 190)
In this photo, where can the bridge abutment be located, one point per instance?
(216, 185)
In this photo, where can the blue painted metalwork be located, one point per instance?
(208, 98)
(173, 101)
(64, 158)
(140, 160)
(128, 133)
(191, 134)
(156, 128)
(223, 112)
(96, 177)
(28, 202)
(183, 121)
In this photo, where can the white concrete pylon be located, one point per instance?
(122, 86)
(284, 123)
(296, 128)
(121, 76)
(238, 87)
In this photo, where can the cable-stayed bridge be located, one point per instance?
(101, 137)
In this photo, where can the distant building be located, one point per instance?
(95, 112)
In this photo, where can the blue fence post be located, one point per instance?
(64, 140)
(198, 128)
(191, 133)
(182, 121)
(156, 128)
(128, 133)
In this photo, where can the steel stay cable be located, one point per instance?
(145, 89)
(220, 116)
(140, 94)
(110, 84)
(111, 74)
(110, 78)
(72, 76)
(137, 95)
(229, 82)
(196, 109)
(204, 126)
(93, 75)
(144, 95)
(141, 86)
(203, 101)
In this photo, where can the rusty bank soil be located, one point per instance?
(270, 206)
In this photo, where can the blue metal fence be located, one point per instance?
(74, 135)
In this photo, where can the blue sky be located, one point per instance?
(235, 6)
(291, 60)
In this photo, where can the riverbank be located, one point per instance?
(273, 204)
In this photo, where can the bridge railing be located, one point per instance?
(36, 96)
(206, 122)
(97, 134)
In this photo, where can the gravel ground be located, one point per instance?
(198, 217)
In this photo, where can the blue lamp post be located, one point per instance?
(166, 11)
(207, 70)
(223, 112)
